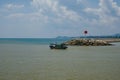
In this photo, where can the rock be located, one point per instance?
(87, 42)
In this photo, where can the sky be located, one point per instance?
(52, 18)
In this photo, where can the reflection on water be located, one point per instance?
(38, 62)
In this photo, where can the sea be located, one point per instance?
(32, 59)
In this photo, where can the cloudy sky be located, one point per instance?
(51, 18)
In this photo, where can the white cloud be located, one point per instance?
(15, 15)
(59, 17)
(54, 10)
(48, 10)
(108, 12)
(28, 17)
(117, 8)
(13, 6)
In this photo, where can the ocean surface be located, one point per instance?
(31, 59)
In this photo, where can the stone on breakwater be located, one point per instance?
(87, 42)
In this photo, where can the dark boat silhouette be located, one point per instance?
(58, 46)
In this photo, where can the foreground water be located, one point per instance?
(37, 62)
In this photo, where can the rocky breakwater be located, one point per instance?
(87, 42)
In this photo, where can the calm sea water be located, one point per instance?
(31, 59)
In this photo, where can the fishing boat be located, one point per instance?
(58, 46)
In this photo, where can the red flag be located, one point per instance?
(85, 32)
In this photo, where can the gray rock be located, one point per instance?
(87, 42)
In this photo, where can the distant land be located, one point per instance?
(102, 36)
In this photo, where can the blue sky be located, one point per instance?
(51, 18)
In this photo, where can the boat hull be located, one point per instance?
(58, 46)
